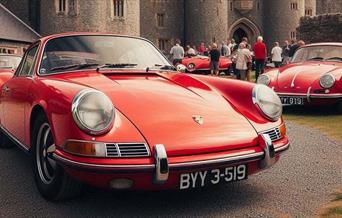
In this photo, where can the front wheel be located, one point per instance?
(52, 181)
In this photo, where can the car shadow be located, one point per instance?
(310, 111)
(18, 182)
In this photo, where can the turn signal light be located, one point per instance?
(96, 149)
(282, 130)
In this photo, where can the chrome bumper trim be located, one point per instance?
(140, 167)
(226, 160)
(310, 96)
(174, 166)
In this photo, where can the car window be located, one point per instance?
(28, 62)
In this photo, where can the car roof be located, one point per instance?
(59, 35)
(324, 44)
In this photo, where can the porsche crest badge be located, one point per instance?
(198, 119)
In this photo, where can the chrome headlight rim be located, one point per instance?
(258, 104)
(329, 86)
(80, 123)
(264, 76)
(191, 67)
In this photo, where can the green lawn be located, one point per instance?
(330, 123)
(326, 120)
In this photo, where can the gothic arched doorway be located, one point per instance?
(239, 34)
(244, 28)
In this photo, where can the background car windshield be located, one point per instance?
(319, 53)
(99, 50)
(9, 61)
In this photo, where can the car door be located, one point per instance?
(16, 96)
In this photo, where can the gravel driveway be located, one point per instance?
(297, 186)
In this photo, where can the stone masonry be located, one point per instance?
(322, 28)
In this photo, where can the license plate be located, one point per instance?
(212, 177)
(292, 100)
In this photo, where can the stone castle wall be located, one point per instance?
(322, 28)
(206, 21)
(173, 21)
(281, 20)
(329, 6)
(94, 16)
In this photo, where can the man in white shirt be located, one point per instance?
(276, 55)
(177, 53)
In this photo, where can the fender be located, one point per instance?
(239, 95)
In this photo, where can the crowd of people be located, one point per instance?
(243, 55)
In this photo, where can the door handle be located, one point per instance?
(6, 89)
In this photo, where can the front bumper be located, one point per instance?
(314, 98)
(163, 172)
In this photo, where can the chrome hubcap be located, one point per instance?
(44, 149)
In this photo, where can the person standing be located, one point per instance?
(260, 54)
(190, 52)
(201, 48)
(286, 52)
(276, 55)
(214, 56)
(177, 53)
(225, 49)
(243, 56)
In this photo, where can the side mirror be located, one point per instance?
(181, 68)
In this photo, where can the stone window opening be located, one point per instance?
(258, 5)
(160, 20)
(293, 35)
(294, 6)
(61, 6)
(231, 6)
(308, 12)
(118, 8)
(162, 44)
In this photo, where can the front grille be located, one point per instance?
(127, 150)
(274, 134)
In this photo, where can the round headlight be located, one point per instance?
(93, 112)
(268, 102)
(264, 79)
(327, 81)
(191, 66)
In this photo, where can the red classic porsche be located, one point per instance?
(111, 111)
(314, 76)
(201, 64)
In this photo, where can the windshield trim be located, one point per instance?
(312, 46)
(75, 35)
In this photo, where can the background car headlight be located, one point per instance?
(327, 81)
(191, 66)
(264, 79)
(268, 102)
(93, 112)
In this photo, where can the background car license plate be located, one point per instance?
(292, 100)
(212, 177)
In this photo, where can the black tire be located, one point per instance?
(52, 181)
(5, 142)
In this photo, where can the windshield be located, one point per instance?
(78, 52)
(318, 53)
(9, 61)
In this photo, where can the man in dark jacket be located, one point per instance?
(214, 56)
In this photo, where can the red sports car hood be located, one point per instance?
(301, 76)
(164, 110)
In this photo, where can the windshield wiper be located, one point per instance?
(76, 66)
(316, 58)
(118, 65)
(334, 58)
(161, 67)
